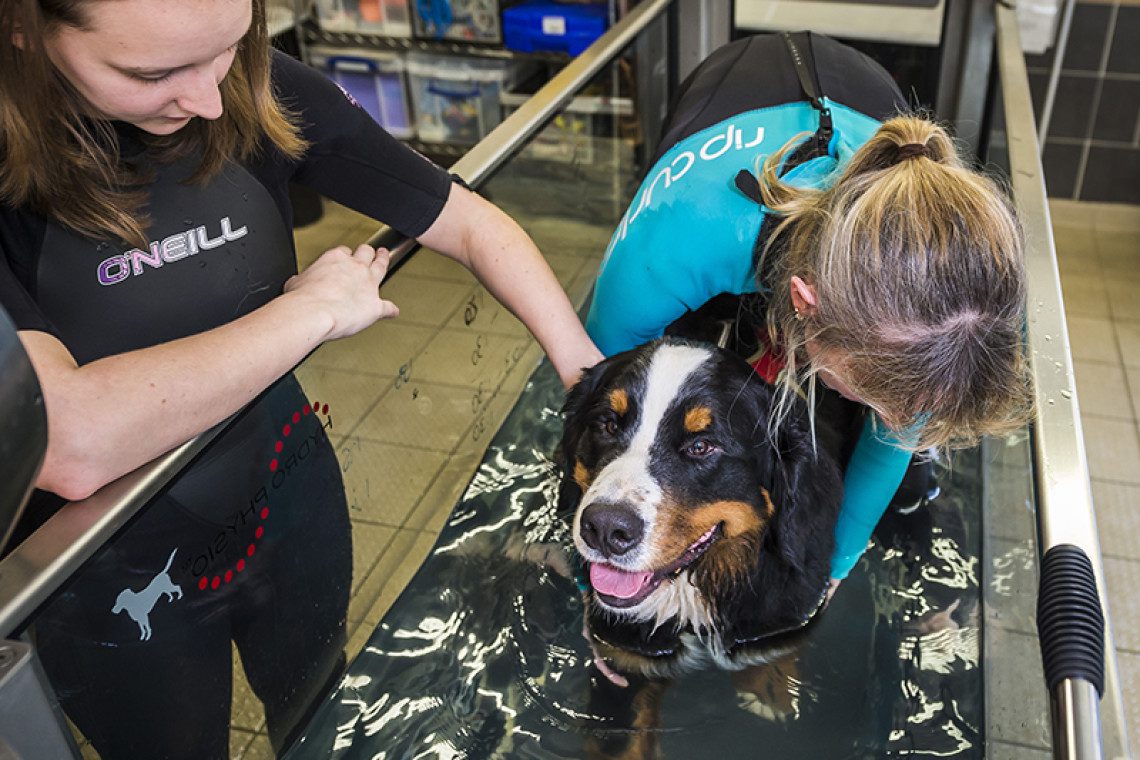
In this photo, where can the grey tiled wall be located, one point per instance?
(1092, 150)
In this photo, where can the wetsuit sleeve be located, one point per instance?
(352, 159)
(15, 298)
(874, 472)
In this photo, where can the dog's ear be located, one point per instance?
(576, 411)
(575, 422)
(805, 492)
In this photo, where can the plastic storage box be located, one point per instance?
(279, 16)
(472, 20)
(542, 25)
(387, 17)
(374, 79)
(456, 98)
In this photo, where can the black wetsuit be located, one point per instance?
(252, 544)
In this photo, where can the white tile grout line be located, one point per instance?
(1122, 76)
(1121, 558)
(1094, 142)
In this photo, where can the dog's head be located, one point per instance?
(122, 600)
(687, 505)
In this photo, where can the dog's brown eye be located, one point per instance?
(700, 448)
(607, 425)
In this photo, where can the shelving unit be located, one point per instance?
(314, 35)
(590, 109)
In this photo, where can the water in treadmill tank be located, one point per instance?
(483, 655)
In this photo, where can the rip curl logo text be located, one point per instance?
(732, 139)
(119, 267)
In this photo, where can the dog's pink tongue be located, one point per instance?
(611, 581)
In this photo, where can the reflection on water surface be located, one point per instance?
(483, 655)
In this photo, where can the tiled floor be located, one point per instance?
(1098, 252)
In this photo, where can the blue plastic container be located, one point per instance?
(374, 79)
(545, 26)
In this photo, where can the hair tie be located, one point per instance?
(913, 150)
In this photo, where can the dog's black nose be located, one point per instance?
(610, 529)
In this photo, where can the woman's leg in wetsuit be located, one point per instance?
(139, 648)
(289, 626)
(140, 661)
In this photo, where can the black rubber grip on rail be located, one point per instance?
(1070, 622)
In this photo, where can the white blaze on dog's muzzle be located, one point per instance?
(626, 482)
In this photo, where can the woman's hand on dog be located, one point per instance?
(831, 586)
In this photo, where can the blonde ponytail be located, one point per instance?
(917, 263)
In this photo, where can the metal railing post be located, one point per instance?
(1076, 641)
(32, 727)
(698, 28)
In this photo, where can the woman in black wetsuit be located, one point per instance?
(146, 257)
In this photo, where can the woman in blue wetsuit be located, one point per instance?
(884, 266)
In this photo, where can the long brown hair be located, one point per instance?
(917, 262)
(59, 161)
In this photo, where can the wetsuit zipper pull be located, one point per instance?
(823, 136)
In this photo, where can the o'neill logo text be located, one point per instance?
(117, 268)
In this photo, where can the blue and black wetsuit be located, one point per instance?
(690, 234)
(252, 544)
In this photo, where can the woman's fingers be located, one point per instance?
(364, 254)
(379, 268)
(388, 309)
(381, 261)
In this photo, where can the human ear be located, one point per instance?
(804, 298)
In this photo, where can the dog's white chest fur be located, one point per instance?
(677, 600)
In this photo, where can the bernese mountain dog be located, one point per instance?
(705, 534)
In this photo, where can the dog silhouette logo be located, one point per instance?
(139, 604)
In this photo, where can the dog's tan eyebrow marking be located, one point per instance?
(581, 475)
(619, 401)
(697, 419)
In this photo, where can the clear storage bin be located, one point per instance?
(387, 17)
(374, 79)
(456, 99)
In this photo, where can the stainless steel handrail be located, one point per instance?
(44, 562)
(1064, 500)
